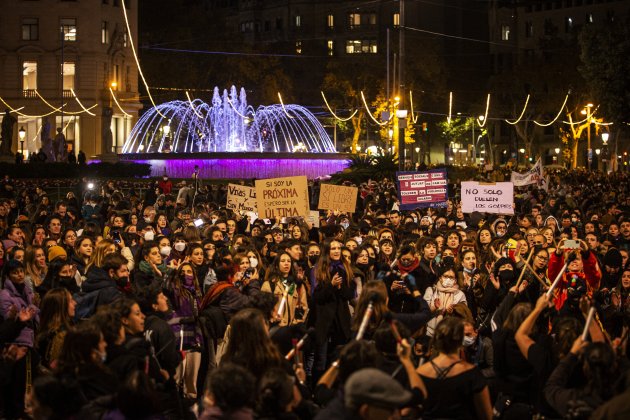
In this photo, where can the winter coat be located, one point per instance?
(99, 279)
(11, 297)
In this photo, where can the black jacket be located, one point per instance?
(98, 279)
(164, 342)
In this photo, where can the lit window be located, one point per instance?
(30, 29)
(589, 18)
(298, 47)
(104, 33)
(68, 75)
(396, 19)
(354, 20)
(69, 29)
(364, 46)
(29, 75)
(331, 47)
(298, 21)
(125, 42)
(505, 32)
(568, 24)
(330, 21)
(372, 19)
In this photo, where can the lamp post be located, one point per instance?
(521, 152)
(22, 135)
(401, 114)
(589, 152)
(605, 152)
(418, 155)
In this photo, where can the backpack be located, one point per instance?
(87, 303)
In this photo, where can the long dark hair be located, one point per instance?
(322, 268)
(273, 272)
(176, 283)
(54, 311)
(79, 346)
(249, 345)
(377, 291)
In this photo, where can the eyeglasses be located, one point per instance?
(542, 258)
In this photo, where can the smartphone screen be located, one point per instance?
(198, 222)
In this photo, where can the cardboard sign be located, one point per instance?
(241, 198)
(338, 197)
(313, 218)
(282, 197)
(488, 197)
(422, 189)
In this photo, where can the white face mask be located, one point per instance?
(448, 282)
(149, 235)
(180, 246)
(469, 341)
(165, 250)
(147, 220)
(253, 262)
(358, 239)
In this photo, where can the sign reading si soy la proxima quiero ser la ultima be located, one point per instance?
(241, 198)
(338, 197)
(422, 189)
(495, 197)
(282, 197)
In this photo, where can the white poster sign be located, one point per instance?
(488, 197)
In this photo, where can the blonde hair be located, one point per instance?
(99, 252)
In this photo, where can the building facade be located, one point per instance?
(58, 61)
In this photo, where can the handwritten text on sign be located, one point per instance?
(282, 197)
(422, 189)
(241, 198)
(488, 198)
(338, 197)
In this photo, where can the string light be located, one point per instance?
(135, 56)
(22, 114)
(118, 104)
(413, 119)
(370, 113)
(81, 105)
(193, 106)
(484, 121)
(450, 107)
(566, 98)
(48, 103)
(335, 115)
(520, 117)
(283, 108)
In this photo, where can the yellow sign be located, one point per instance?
(338, 197)
(282, 197)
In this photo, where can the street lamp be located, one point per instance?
(21, 135)
(605, 151)
(587, 111)
(401, 115)
(418, 154)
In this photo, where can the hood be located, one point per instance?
(97, 279)
(554, 219)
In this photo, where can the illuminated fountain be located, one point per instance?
(230, 139)
(229, 124)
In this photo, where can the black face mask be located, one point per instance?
(506, 276)
(122, 282)
(313, 259)
(371, 261)
(364, 267)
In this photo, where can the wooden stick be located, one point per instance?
(520, 278)
(557, 280)
(536, 275)
(589, 319)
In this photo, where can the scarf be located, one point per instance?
(408, 269)
(146, 268)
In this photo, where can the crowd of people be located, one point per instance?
(171, 306)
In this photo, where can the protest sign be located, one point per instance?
(313, 218)
(338, 197)
(533, 176)
(282, 197)
(488, 197)
(422, 189)
(241, 198)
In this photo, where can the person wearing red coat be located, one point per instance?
(582, 271)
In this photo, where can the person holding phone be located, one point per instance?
(334, 289)
(582, 274)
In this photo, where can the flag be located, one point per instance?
(533, 176)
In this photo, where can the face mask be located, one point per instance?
(165, 251)
(469, 341)
(65, 279)
(253, 262)
(406, 263)
(358, 239)
(165, 179)
(448, 282)
(363, 267)
(415, 219)
(180, 246)
(103, 356)
(345, 225)
(500, 234)
(188, 279)
(506, 275)
(371, 260)
(313, 259)
(122, 282)
(149, 236)
(147, 220)
(377, 249)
